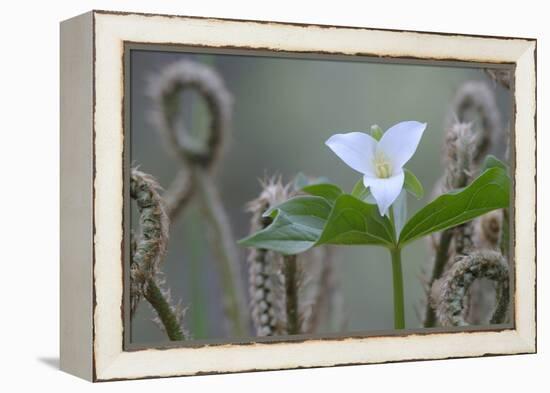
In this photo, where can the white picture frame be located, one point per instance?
(92, 197)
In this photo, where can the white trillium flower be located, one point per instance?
(380, 162)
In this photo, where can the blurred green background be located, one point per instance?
(284, 110)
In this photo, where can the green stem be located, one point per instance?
(234, 301)
(196, 256)
(154, 296)
(398, 295)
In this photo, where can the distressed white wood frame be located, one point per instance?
(111, 30)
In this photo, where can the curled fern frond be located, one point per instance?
(153, 221)
(458, 157)
(458, 163)
(489, 229)
(450, 293)
(475, 102)
(179, 194)
(474, 125)
(148, 249)
(198, 157)
(502, 77)
(165, 90)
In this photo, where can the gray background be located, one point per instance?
(284, 110)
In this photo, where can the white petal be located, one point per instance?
(400, 142)
(385, 191)
(356, 149)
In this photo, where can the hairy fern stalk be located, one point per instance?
(197, 161)
(148, 250)
(289, 294)
(469, 262)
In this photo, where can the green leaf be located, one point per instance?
(413, 185)
(400, 211)
(352, 221)
(306, 221)
(327, 191)
(362, 193)
(297, 225)
(359, 190)
(490, 191)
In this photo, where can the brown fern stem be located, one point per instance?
(290, 272)
(441, 257)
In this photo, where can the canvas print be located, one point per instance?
(280, 196)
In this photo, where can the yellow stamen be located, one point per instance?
(382, 166)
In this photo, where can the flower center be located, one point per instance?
(382, 166)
